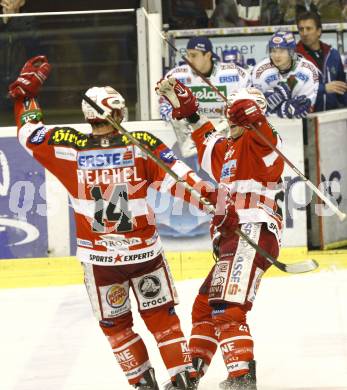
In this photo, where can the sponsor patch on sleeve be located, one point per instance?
(38, 136)
(168, 156)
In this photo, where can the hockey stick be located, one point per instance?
(195, 194)
(295, 268)
(291, 268)
(341, 215)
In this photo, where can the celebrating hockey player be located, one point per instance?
(249, 175)
(289, 82)
(118, 245)
(227, 77)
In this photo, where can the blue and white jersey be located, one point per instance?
(303, 78)
(227, 77)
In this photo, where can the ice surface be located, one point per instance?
(49, 339)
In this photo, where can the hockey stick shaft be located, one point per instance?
(341, 215)
(189, 188)
(295, 268)
(196, 194)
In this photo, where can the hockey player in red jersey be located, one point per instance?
(248, 173)
(118, 245)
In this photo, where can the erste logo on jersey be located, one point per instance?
(110, 158)
(232, 78)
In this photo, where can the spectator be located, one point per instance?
(184, 14)
(289, 9)
(332, 86)
(329, 10)
(17, 40)
(234, 13)
(289, 83)
(225, 14)
(226, 77)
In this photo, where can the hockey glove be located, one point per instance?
(245, 113)
(179, 96)
(280, 94)
(33, 74)
(222, 226)
(298, 107)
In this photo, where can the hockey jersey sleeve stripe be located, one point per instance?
(206, 162)
(86, 207)
(253, 186)
(180, 169)
(271, 157)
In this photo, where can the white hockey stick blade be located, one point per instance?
(301, 266)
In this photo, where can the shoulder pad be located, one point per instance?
(225, 65)
(145, 138)
(178, 69)
(262, 67)
(68, 136)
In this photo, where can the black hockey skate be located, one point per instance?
(182, 382)
(148, 381)
(243, 382)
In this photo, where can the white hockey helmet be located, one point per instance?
(108, 99)
(247, 93)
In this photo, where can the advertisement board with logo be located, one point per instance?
(252, 47)
(182, 227)
(23, 210)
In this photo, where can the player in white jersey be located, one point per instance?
(288, 81)
(227, 77)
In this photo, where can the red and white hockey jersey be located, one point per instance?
(107, 184)
(249, 169)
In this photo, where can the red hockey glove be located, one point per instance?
(245, 113)
(179, 96)
(226, 223)
(33, 74)
(223, 225)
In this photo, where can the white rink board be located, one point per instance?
(295, 234)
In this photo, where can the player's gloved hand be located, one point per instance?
(245, 113)
(223, 225)
(33, 74)
(165, 110)
(280, 93)
(179, 96)
(303, 106)
(297, 107)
